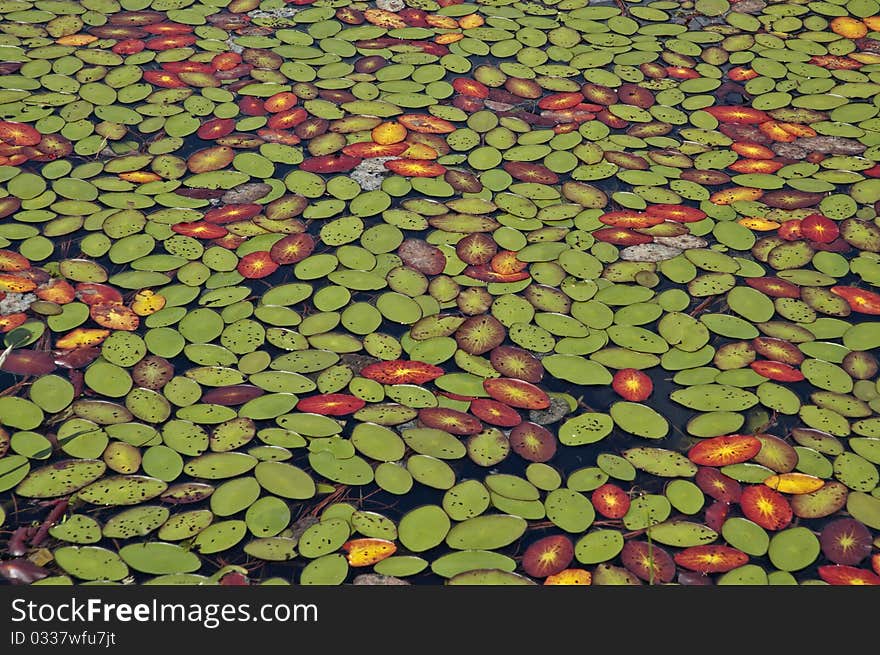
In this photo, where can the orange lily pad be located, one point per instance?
(82, 337)
(517, 393)
(739, 114)
(610, 501)
(752, 150)
(794, 483)
(369, 149)
(57, 290)
(331, 404)
(570, 577)
(200, 230)
(495, 413)
(778, 371)
(11, 261)
(632, 384)
(146, 302)
(115, 316)
(401, 371)
(724, 450)
(19, 134)
(563, 100)
(630, 218)
(758, 224)
(506, 263)
(859, 300)
(96, 293)
(843, 574)
(766, 507)
(256, 265)
(164, 79)
(368, 551)
(711, 558)
(735, 194)
(677, 213)
(415, 167)
(471, 88)
(767, 166)
(11, 321)
(15, 283)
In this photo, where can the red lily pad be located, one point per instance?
(632, 384)
(517, 393)
(724, 450)
(450, 420)
(774, 287)
(841, 574)
(677, 213)
(717, 485)
(548, 556)
(471, 88)
(232, 213)
(19, 134)
(95, 293)
(495, 413)
(819, 228)
(859, 300)
(648, 561)
(846, 541)
(28, 362)
(621, 236)
(743, 115)
(368, 149)
(336, 163)
(778, 371)
(610, 501)
(533, 442)
(630, 218)
(256, 265)
(716, 514)
(778, 350)
(292, 249)
(200, 230)
(711, 558)
(415, 167)
(766, 507)
(235, 394)
(401, 371)
(330, 404)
